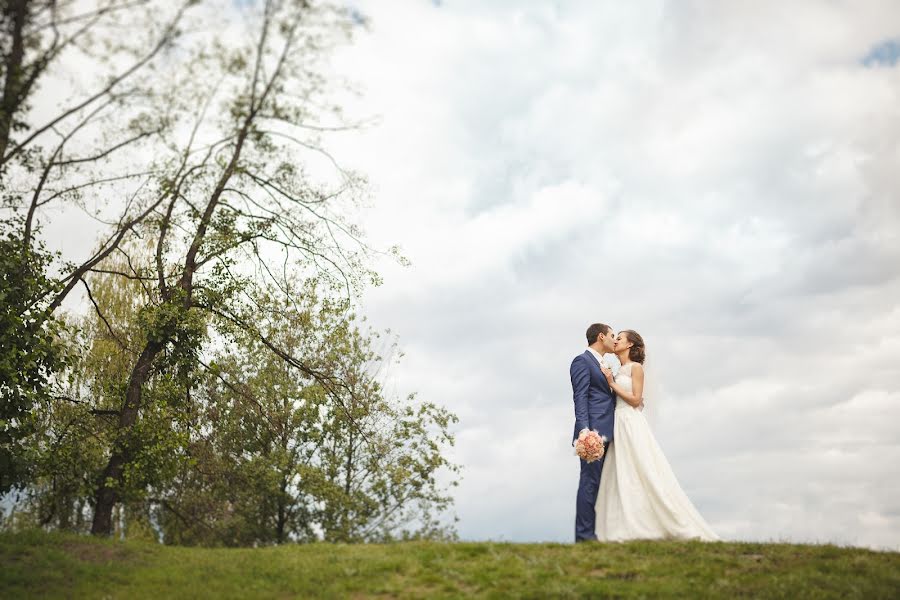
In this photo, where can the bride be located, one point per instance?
(639, 496)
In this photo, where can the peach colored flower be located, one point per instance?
(590, 445)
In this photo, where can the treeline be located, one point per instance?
(217, 388)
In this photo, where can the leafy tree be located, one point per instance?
(51, 158)
(251, 452)
(278, 460)
(207, 149)
(231, 198)
(381, 457)
(90, 151)
(73, 429)
(30, 351)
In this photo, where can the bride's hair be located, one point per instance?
(637, 352)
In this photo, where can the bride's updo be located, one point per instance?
(637, 352)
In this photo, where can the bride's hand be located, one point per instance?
(607, 372)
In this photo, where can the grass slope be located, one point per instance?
(42, 565)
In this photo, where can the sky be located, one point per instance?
(720, 176)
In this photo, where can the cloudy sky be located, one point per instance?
(720, 176)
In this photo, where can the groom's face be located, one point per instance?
(608, 341)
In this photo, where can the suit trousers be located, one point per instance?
(585, 504)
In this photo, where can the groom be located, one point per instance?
(595, 406)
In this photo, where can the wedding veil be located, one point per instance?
(652, 396)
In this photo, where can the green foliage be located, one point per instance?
(210, 394)
(48, 566)
(178, 326)
(66, 453)
(73, 431)
(237, 444)
(287, 456)
(30, 350)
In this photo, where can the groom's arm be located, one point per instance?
(581, 382)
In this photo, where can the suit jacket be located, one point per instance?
(595, 402)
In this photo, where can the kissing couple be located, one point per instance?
(630, 492)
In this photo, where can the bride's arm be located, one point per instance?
(636, 395)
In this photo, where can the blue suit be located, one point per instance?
(595, 407)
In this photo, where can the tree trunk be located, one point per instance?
(106, 496)
(282, 514)
(17, 12)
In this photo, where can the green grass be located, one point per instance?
(44, 565)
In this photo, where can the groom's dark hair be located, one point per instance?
(595, 331)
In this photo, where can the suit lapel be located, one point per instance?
(594, 360)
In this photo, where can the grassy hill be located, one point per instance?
(42, 565)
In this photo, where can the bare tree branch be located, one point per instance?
(165, 39)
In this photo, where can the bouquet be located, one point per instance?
(590, 445)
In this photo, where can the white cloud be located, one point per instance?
(721, 177)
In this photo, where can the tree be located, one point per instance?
(232, 199)
(73, 428)
(251, 452)
(207, 148)
(30, 352)
(37, 35)
(110, 116)
(277, 461)
(380, 456)
(252, 478)
(53, 160)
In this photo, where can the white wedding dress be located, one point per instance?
(639, 496)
